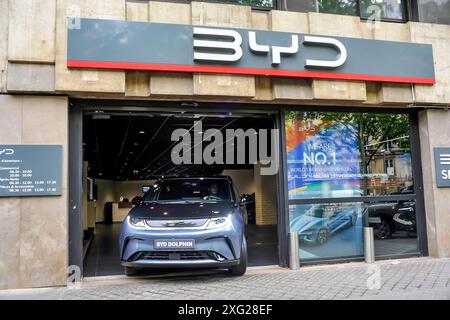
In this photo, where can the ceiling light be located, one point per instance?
(142, 132)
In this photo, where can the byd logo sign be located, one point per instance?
(127, 45)
(231, 41)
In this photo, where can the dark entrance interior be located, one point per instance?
(124, 151)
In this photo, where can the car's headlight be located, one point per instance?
(137, 222)
(306, 232)
(218, 222)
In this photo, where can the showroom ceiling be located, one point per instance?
(137, 145)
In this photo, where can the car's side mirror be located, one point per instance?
(137, 200)
(245, 199)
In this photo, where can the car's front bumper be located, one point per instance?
(219, 247)
(180, 264)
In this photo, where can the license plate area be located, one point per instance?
(168, 244)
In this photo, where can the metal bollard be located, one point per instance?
(294, 261)
(369, 248)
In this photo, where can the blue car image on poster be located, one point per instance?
(323, 162)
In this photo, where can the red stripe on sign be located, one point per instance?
(250, 71)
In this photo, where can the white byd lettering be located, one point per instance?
(276, 50)
(324, 41)
(7, 152)
(235, 45)
(221, 43)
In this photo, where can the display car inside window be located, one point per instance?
(332, 155)
(338, 156)
(328, 231)
(335, 230)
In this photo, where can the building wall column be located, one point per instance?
(34, 244)
(435, 132)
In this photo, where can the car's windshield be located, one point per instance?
(315, 211)
(191, 190)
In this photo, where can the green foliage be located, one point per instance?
(255, 3)
(370, 127)
(345, 7)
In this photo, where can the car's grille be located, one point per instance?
(176, 255)
(183, 223)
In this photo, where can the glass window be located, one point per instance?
(325, 231)
(395, 227)
(335, 157)
(434, 11)
(335, 230)
(385, 9)
(254, 3)
(189, 190)
(333, 154)
(346, 7)
(390, 9)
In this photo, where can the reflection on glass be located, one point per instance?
(434, 11)
(255, 3)
(391, 9)
(328, 230)
(346, 7)
(395, 227)
(301, 6)
(335, 230)
(332, 154)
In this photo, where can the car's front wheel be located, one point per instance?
(383, 230)
(322, 236)
(240, 269)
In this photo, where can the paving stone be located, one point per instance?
(423, 278)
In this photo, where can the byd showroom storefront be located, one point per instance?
(342, 170)
(350, 152)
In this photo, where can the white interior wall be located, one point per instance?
(111, 191)
(243, 180)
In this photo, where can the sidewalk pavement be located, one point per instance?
(420, 278)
